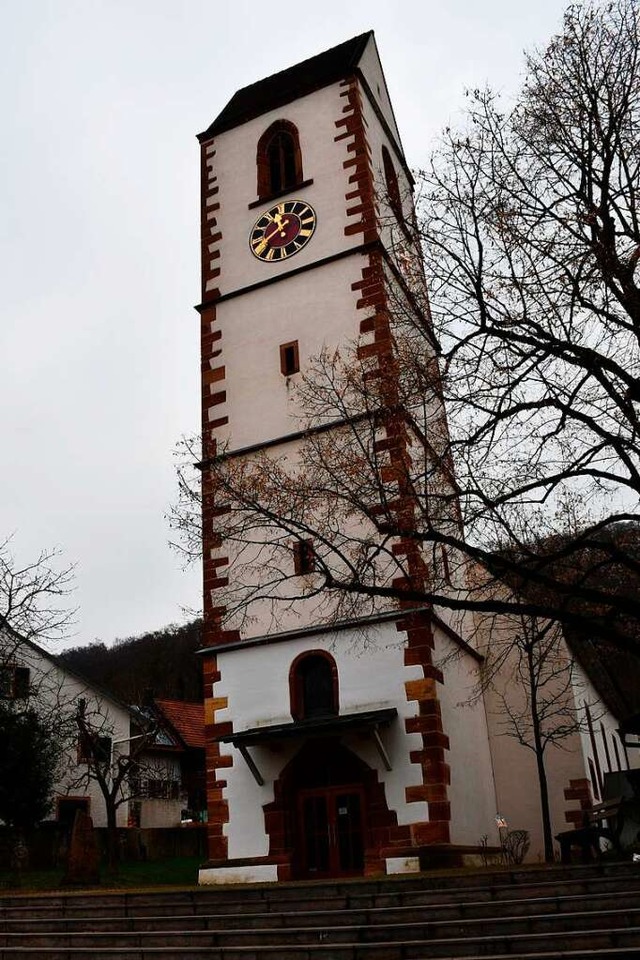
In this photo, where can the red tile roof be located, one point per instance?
(187, 719)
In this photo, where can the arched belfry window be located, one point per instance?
(279, 159)
(313, 685)
(391, 179)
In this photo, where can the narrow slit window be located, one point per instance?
(304, 558)
(393, 189)
(289, 358)
(446, 570)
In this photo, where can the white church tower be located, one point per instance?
(324, 758)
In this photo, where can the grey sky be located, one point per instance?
(100, 104)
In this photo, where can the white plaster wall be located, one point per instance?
(160, 813)
(256, 682)
(472, 792)
(517, 781)
(317, 310)
(374, 75)
(58, 691)
(515, 771)
(315, 117)
(392, 235)
(258, 598)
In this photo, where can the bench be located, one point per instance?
(604, 821)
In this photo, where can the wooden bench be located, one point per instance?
(604, 821)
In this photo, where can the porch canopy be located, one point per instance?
(368, 721)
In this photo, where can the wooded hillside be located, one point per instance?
(162, 661)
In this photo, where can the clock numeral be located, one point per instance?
(271, 254)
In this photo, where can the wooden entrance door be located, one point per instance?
(331, 831)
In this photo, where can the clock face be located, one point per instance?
(282, 231)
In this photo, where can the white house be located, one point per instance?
(152, 796)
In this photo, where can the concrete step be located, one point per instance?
(606, 945)
(303, 897)
(473, 910)
(573, 925)
(576, 913)
(312, 928)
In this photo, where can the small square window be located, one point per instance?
(94, 749)
(289, 358)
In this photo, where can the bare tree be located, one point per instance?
(529, 681)
(530, 231)
(531, 237)
(122, 768)
(34, 597)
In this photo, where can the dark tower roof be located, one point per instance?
(290, 84)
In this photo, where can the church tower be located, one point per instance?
(326, 755)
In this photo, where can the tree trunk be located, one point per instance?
(543, 786)
(113, 852)
(544, 805)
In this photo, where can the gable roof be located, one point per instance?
(290, 84)
(8, 631)
(187, 719)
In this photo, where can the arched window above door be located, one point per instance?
(313, 686)
(279, 160)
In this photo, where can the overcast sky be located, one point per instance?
(100, 104)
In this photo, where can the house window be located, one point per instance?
(279, 159)
(94, 749)
(14, 682)
(313, 686)
(304, 558)
(391, 179)
(159, 789)
(289, 358)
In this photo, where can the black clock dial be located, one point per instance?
(282, 230)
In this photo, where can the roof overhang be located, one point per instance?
(368, 721)
(314, 727)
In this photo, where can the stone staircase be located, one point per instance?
(569, 912)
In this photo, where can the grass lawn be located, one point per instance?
(177, 872)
